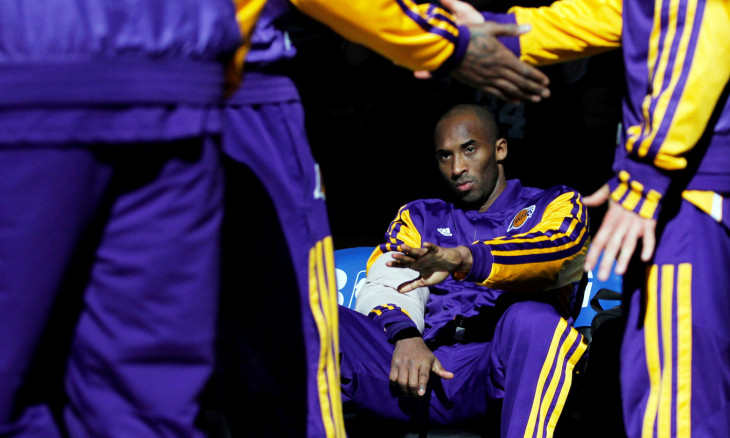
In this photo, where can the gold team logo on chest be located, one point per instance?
(521, 217)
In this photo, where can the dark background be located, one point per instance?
(370, 125)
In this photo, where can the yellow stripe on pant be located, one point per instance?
(540, 404)
(323, 303)
(668, 291)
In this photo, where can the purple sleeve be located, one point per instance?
(482, 260)
(512, 43)
(460, 46)
(393, 320)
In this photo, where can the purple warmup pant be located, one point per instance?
(108, 287)
(675, 357)
(279, 306)
(526, 368)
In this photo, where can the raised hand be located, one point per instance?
(488, 65)
(620, 230)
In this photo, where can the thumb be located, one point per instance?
(464, 13)
(598, 198)
(500, 29)
(409, 286)
(422, 74)
(440, 371)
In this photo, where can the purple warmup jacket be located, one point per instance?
(146, 70)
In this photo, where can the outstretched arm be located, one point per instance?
(549, 254)
(426, 37)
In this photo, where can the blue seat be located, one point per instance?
(592, 287)
(350, 264)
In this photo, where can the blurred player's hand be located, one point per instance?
(491, 67)
(412, 364)
(433, 262)
(620, 230)
(488, 65)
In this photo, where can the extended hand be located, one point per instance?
(412, 364)
(617, 236)
(433, 262)
(488, 65)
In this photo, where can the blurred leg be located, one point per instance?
(48, 198)
(675, 354)
(270, 140)
(143, 347)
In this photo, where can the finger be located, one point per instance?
(464, 13)
(628, 247)
(404, 248)
(414, 378)
(409, 251)
(400, 258)
(504, 29)
(526, 72)
(613, 246)
(403, 383)
(484, 77)
(423, 375)
(393, 373)
(599, 197)
(399, 376)
(594, 253)
(509, 79)
(648, 241)
(600, 240)
(439, 370)
(411, 285)
(422, 74)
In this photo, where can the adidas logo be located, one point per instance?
(444, 231)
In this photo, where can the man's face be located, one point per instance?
(466, 156)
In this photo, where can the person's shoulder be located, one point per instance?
(559, 190)
(427, 205)
(422, 211)
(549, 192)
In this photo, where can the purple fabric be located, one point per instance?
(712, 172)
(130, 236)
(116, 81)
(261, 88)
(482, 265)
(271, 46)
(392, 321)
(462, 44)
(117, 126)
(89, 71)
(512, 43)
(270, 139)
(507, 368)
(71, 31)
(690, 237)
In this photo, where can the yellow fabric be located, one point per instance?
(383, 26)
(569, 29)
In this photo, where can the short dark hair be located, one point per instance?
(484, 115)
